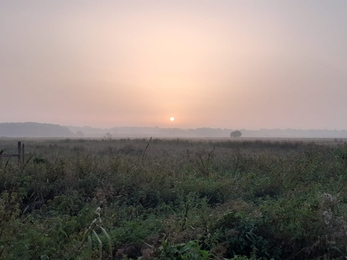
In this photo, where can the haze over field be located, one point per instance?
(220, 64)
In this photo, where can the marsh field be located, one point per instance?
(174, 199)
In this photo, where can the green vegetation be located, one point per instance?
(173, 199)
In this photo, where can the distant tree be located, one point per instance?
(236, 134)
(108, 136)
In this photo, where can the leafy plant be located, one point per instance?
(190, 250)
(91, 232)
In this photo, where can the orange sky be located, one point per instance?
(229, 64)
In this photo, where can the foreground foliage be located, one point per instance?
(173, 199)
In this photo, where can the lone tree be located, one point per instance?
(236, 134)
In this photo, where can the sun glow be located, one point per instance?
(172, 119)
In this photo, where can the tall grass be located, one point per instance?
(173, 199)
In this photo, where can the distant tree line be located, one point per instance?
(31, 129)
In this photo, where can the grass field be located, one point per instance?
(174, 199)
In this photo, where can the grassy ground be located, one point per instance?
(174, 199)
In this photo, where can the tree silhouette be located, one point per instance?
(236, 134)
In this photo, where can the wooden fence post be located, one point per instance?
(23, 154)
(19, 152)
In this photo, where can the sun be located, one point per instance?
(172, 119)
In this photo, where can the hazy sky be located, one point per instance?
(231, 64)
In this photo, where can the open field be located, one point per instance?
(174, 199)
